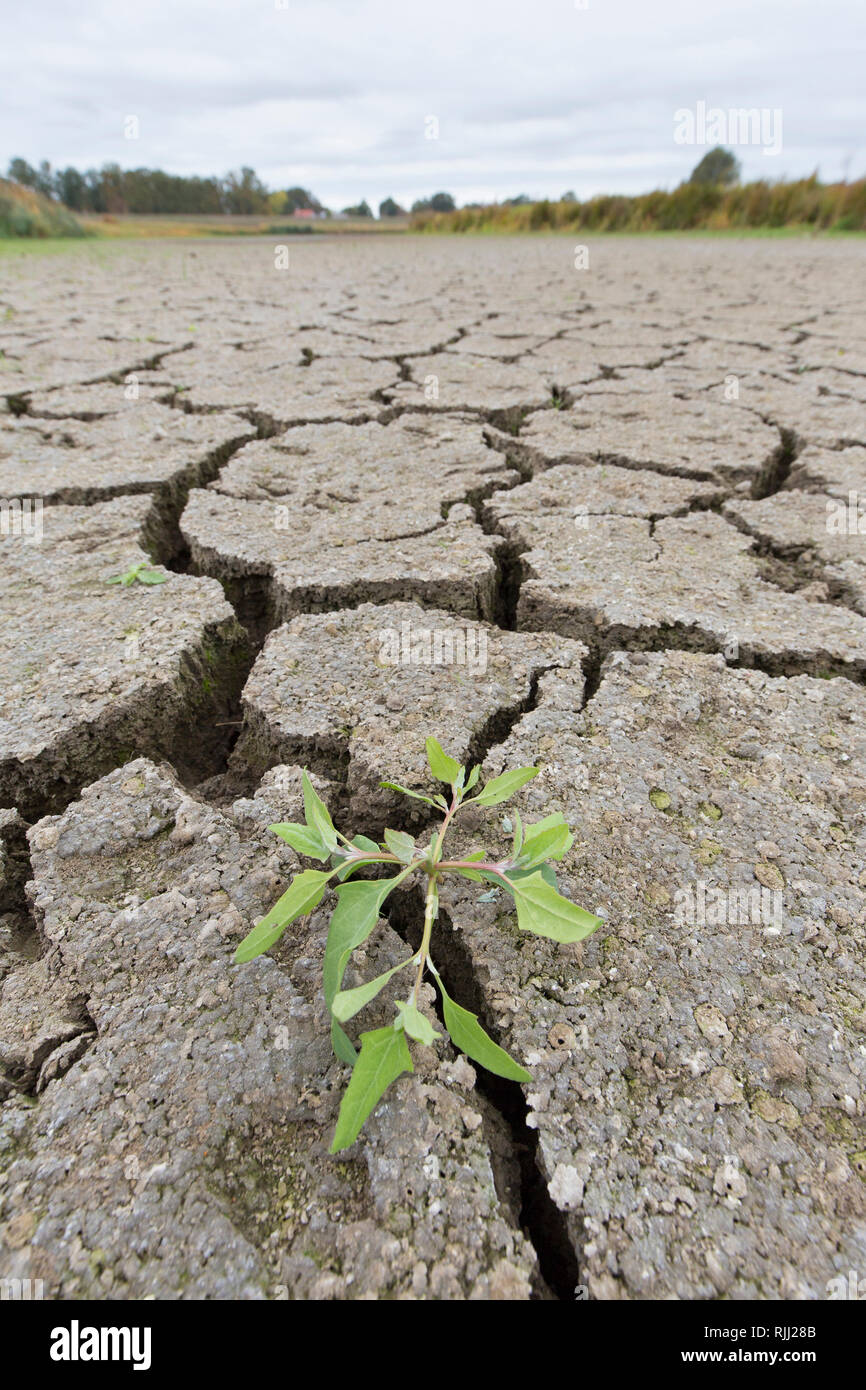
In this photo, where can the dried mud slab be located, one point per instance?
(698, 1063)
(408, 472)
(149, 449)
(834, 471)
(90, 671)
(693, 581)
(452, 382)
(820, 541)
(333, 515)
(693, 438)
(329, 388)
(65, 362)
(272, 573)
(101, 398)
(357, 692)
(44, 1026)
(821, 408)
(581, 491)
(184, 1154)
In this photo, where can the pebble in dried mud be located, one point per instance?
(693, 580)
(698, 1074)
(184, 1155)
(337, 687)
(124, 668)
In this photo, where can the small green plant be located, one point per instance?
(141, 573)
(525, 873)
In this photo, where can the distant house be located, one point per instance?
(303, 212)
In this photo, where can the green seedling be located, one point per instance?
(525, 873)
(141, 573)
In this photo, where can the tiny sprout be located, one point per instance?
(141, 573)
(525, 873)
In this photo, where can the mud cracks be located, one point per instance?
(608, 519)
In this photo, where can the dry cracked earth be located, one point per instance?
(634, 489)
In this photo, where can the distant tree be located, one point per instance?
(244, 193)
(69, 187)
(111, 181)
(298, 198)
(362, 209)
(440, 202)
(568, 197)
(388, 208)
(20, 171)
(94, 200)
(718, 166)
(519, 202)
(45, 179)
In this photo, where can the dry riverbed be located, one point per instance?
(611, 521)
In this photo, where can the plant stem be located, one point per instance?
(429, 918)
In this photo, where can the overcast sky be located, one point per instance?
(531, 96)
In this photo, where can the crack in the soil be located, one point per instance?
(512, 1144)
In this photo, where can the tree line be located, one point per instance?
(112, 189)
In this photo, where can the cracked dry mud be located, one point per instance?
(629, 505)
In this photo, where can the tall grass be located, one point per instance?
(24, 213)
(804, 203)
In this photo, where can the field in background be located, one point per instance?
(225, 224)
(803, 206)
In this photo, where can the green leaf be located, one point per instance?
(401, 844)
(302, 840)
(345, 870)
(348, 1002)
(444, 769)
(384, 1056)
(544, 912)
(355, 916)
(413, 1022)
(546, 871)
(317, 813)
(473, 777)
(549, 838)
(303, 894)
(342, 1045)
(467, 1034)
(151, 577)
(395, 787)
(504, 786)
(517, 842)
